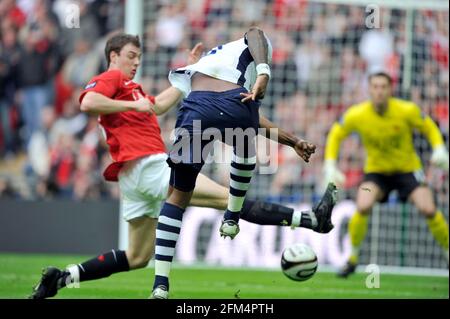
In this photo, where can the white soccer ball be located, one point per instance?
(299, 262)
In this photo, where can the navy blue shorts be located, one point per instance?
(206, 116)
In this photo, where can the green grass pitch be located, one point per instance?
(19, 272)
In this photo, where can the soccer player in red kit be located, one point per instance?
(128, 118)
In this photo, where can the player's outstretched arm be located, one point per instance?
(439, 157)
(96, 104)
(165, 100)
(259, 48)
(330, 169)
(303, 148)
(428, 127)
(170, 97)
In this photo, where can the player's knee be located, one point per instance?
(138, 259)
(427, 210)
(142, 262)
(365, 211)
(364, 205)
(180, 198)
(364, 208)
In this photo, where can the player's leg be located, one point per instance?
(182, 180)
(366, 197)
(422, 198)
(139, 211)
(368, 193)
(140, 249)
(102, 266)
(243, 163)
(139, 252)
(186, 161)
(143, 185)
(208, 193)
(141, 241)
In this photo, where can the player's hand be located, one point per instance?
(440, 157)
(304, 149)
(196, 53)
(332, 173)
(259, 89)
(143, 105)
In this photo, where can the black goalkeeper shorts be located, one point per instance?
(404, 183)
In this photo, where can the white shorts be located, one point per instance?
(143, 183)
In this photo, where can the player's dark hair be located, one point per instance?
(383, 74)
(117, 42)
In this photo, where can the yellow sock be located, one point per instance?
(439, 228)
(357, 228)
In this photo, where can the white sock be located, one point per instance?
(74, 276)
(162, 268)
(296, 218)
(306, 219)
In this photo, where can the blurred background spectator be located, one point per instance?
(322, 55)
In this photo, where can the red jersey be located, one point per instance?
(129, 134)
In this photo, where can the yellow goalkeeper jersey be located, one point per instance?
(387, 138)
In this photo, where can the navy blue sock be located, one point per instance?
(161, 280)
(264, 213)
(231, 215)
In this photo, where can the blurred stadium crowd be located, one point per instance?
(322, 55)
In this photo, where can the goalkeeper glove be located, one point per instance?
(332, 173)
(440, 157)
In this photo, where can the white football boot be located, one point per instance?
(160, 292)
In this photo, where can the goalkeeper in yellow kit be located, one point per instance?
(385, 125)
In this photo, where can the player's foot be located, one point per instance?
(48, 285)
(348, 269)
(160, 292)
(324, 208)
(229, 228)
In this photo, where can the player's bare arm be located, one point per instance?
(96, 104)
(165, 100)
(303, 148)
(258, 46)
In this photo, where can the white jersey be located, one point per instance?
(230, 62)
